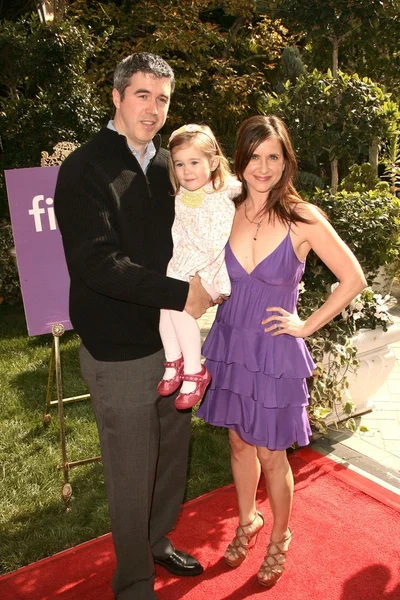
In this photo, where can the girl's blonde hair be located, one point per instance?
(202, 138)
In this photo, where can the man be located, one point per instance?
(115, 209)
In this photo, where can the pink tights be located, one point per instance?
(180, 335)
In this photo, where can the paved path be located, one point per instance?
(381, 443)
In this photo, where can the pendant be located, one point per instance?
(258, 227)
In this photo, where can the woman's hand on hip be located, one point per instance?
(284, 322)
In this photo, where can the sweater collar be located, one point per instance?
(118, 141)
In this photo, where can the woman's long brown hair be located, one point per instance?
(282, 199)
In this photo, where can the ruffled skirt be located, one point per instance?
(258, 385)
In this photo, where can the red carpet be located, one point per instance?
(346, 546)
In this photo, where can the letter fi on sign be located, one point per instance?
(36, 211)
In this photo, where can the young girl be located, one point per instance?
(204, 213)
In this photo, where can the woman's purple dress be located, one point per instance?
(258, 385)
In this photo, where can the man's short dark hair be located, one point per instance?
(143, 62)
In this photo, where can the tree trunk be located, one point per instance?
(335, 55)
(52, 10)
(335, 68)
(334, 175)
(59, 9)
(373, 154)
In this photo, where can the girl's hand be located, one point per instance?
(285, 322)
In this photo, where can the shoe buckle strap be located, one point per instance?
(196, 378)
(175, 364)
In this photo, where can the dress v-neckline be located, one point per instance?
(262, 260)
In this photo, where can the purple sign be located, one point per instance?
(40, 256)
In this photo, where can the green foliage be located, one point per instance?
(363, 29)
(362, 178)
(369, 310)
(56, 78)
(369, 222)
(334, 118)
(335, 357)
(391, 162)
(46, 97)
(329, 18)
(12, 11)
(223, 56)
(308, 182)
(290, 68)
(334, 351)
(10, 291)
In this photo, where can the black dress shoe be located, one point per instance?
(180, 563)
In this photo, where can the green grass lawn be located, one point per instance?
(33, 519)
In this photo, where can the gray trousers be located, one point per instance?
(144, 447)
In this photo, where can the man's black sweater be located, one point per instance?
(115, 223)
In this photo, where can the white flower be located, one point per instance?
(357, 304)
(334, 286)
(378, 299)
(381, 315)
(345, 314)
(302, 287)
(382, 308)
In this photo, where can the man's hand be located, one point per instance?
(220, 299)
(198, 299)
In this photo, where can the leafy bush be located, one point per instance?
(369, 310)
(334, 353)
(334, 117)
(369, 222)
(362, 178)
(10, 291)
(45, 96)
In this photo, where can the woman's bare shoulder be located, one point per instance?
(308, 211)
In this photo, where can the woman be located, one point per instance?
(255, 351)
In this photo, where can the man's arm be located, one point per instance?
(87, 220)
(198, 300)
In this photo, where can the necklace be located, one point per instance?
(258, 223)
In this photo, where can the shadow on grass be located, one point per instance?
(31, 383)
(209, 459)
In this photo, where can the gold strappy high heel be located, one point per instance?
(273, 566)
(239, 547)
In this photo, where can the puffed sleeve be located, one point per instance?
(221, 212)
(233, 188)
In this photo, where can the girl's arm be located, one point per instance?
(217, 225)
(222, 213)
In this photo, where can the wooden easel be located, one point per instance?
(55, 368)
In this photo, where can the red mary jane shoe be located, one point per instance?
(166, 387)
(201, 379)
